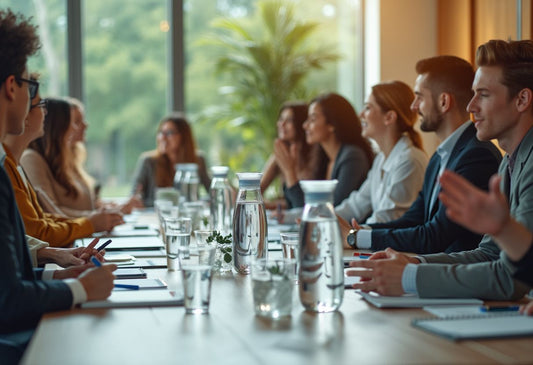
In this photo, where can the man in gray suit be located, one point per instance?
(503, 109)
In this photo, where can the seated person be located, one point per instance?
(397, 173)
(489, 213)
(57, 230)
(156, 169)
(424, 228)
(54, 164)
(502, 107)
(339, 150)
(24, 297)
(291, 158)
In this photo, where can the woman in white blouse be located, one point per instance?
(397, 172)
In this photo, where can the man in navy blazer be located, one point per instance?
(23, 297)
(502, 106)
(443, 90)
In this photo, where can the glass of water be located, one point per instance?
(272, 281)
(289, 246)
(177, 235)
(196, 267)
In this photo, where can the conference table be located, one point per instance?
(232, 334)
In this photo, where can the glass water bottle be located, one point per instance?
(249, 223)
(190, 182)
(221, 196)
(321, 274)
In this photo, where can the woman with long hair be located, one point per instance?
(54, 164)
(290, 160)
(156, 169)
(339, 152)
(55, 229)
(397, 173)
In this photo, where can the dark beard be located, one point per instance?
(432, 124)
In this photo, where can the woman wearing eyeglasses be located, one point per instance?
(58, 230)
(156, 169)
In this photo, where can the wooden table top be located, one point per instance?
(232, 334)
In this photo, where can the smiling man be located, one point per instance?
(503, 109)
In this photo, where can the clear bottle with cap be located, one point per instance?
(321, 273)
(249, 223)
(221, 197)
(190, 182)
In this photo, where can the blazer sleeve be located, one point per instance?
(485, 272)
(351, 168)
(414, 233)
(23, 299)
(144, 180)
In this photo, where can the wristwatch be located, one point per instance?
(352, 238)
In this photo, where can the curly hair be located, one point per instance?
(18, 41)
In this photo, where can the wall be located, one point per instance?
(408, 32)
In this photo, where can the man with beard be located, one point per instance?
(442, 92)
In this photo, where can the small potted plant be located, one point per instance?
(224, 254)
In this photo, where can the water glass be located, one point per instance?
(201, 236)
(196, 267)
(272, 281)
(289, 246)
(177, 235)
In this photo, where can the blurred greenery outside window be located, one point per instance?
(126, 79)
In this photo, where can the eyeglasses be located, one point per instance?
(43, 103)
(33, 86)
(167, 133)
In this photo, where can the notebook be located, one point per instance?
(496, 325)
(142, 283)
(137, 298)
(413, 301)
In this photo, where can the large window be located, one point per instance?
(51, 62)
(125, 48)
(125, 84)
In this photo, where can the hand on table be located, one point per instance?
(98, 281)
(382, 272)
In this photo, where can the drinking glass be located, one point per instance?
(289, 246)
(272, 282)
(177, 235)
(196, 267)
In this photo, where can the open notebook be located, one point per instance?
(138, 298)
(497, 325)
(413, 301)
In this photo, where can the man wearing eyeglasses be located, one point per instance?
(23, 297)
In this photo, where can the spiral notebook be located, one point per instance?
(497, 325)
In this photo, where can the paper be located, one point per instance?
(455, 311)
(138, 298)
(132, 243)
(492, 326)
(142, 283)
(413, 301)
(130, 273)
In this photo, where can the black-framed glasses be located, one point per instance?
(41, 104)
(33, 86)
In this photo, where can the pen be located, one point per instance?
(127, 286)
(103, 245)
(499, 308)
(95, 261)
(362, 255)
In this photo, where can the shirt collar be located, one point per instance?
(446, 147)
(2, 154)
(392, 158)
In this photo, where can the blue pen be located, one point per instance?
(95, 261)
(103, 245)
(126, 286)
(498, 308)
